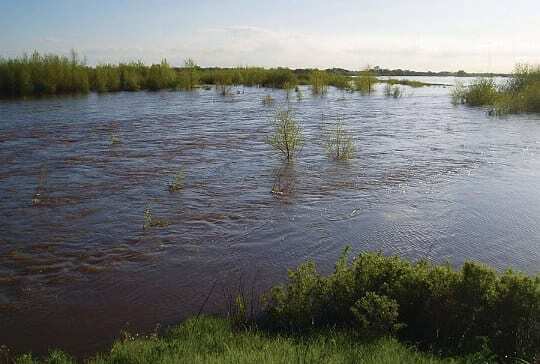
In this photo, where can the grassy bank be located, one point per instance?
(519, 94)
(213, 340)
(372, 309)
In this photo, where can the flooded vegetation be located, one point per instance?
(519, 94)
(143, 207)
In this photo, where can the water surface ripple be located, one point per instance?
(430, 180)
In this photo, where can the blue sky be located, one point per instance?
(475, 35)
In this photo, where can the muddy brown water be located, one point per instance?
(429, 180)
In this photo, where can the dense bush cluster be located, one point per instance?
(448, 311)
(43, 75)
(520, 93)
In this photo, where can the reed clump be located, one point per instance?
(319, 82)
(365, 81)
(392, 91)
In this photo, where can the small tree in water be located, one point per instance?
(287, 136)
(339, 142)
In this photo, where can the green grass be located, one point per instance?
(212, 340)
(410, 83)
(520, 94)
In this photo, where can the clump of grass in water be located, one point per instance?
(287, 135)
(458, 93)
(392, 91)
(268, 100)
(319, 82)
(178, 182)
(339, 142)
(115, 139)
(365, 81)
(150, 221)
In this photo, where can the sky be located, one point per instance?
(473, 35)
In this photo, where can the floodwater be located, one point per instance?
(429, 180)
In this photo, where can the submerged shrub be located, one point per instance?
(339, 142)
(392, 91)
(150, 221)
(192, 74)
(481, 92)
(287, 134)
(365, 81)
(451, 311)
(521, 93)
(178, 181)
(319, 82)
(458, 93)
(268, 100)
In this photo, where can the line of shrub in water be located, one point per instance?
(49, 74)
(519, 94)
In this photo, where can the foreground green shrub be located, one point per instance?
(456, 312)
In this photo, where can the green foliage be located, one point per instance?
(457, 312)
(215, 341)
(161, 76)
(43, 75)
(410, 83)
(521, 93)
(339, 142)
(376, 315)
(191, 74)
(287, 134)
(319, 82)
(482, 92)
(394, 91)
(365, 81)
(339, 81)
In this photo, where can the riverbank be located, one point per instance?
(214, 340)
(371, 309)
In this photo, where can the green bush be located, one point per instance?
(455, 312)
(521, 93)
(376, 315)
(286, 137)
(365, 81)
(339, 142)
(319, 82)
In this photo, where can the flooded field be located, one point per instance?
(429, 180)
